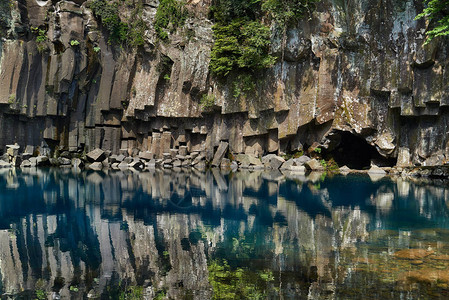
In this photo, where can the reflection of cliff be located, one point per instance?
(160, 230)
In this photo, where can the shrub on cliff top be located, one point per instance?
(108, 13)
(120, 32)
(437, 12)
(242, 41)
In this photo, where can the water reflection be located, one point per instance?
(187, 234)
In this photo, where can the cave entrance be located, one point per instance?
(353, 151)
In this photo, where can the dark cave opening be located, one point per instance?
(354, 152)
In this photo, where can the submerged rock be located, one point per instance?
(412, 254)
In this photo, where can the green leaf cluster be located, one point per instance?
(170, 15)
(241, 44)
(241, 41)
(107, 11)
(283, 12)
(437, 12)
(120, 32)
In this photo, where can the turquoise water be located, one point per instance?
(192, 235)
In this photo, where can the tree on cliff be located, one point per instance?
(437, 12)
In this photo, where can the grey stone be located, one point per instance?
(146, 155)
(64, 161)
(96, 155)
(313, 165)
(4, 164)
(246, 160)
(128, 160)
(33, 161)
(221, 151)
(376, 170)
(25, 164)
(12, 150)
(177, 163)
(272, 161)
(182, 150)
(120, 158)
(42, 161)
(77, 163)
(96, 166)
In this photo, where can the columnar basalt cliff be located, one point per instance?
(350, 73)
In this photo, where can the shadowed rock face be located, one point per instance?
(352, 66)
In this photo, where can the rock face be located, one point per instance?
(366, 73)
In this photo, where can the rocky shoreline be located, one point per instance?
(178, 159)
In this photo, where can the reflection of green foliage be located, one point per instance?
(437, 13)
(41, 295)
(239, 283)
(40, 292)
(132, 293)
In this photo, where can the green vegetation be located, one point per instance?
(170, 15)
(228, 283)
(207, 101)
(242, 41)
(41, 38)
(12, 99)
(132, 293)
(284, 12)
(120, 32)
(74, 43)
(97, 49)
(437, 12)
(241, 45)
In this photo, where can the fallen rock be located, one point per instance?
(64, 161)
(376, 170)
(33, 161)
(313, 165)
(246, 160)
(4, 164)
(345, 170)
(219, 155)
(177, 163)
(42, 161)
(25, 164)
(12, 150)
(96, 155)
(146, 155)
(272, 161)
(225, 163)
